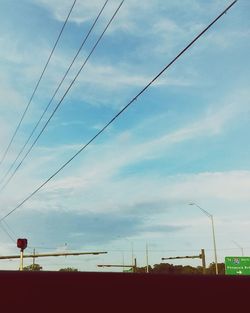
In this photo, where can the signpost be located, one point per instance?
(22, 244)
(237, 265)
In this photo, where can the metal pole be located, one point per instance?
(203, 259)
(215, 253)
(135, 266)
(213, 232)
(147, 257)
(21, 260)
(34, 252)
(242, 251)
(5, 257)
(123, 261)
(132, 251)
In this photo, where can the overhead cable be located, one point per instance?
(47, 107)
(119, 113)
(6, 231)
(37, 84)
(66, 92)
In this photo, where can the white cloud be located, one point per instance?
(120, 77)
(103, 162)
(94, 182)
(227, 186)
(85, 11)
(223, 39)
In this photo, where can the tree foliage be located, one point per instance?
(171, 269)
(33, 267)
(68, 269)
(211, 269)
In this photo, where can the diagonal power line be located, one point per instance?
(47, 107)
(3, 225)
(119, 113)
(59, 103)
(36, 87)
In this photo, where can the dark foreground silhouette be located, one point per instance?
(121, 292)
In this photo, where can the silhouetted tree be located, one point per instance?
(33, 267)
(164, 268)
(68, 269)
(171, 269)
(211, 269)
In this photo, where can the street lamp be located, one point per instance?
(132, 248)
(214, 243)
(242, 251)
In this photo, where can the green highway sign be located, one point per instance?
(237, 265)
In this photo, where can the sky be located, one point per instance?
(183, 140)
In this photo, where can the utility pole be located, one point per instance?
(147, 258)
(135, 265)
(34, 252)
(123, 259)
(203, 260)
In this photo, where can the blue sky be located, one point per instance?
(185, 139)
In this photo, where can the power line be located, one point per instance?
(47, 107)
(59, 103)
(6, 231)
(119, 113)
(37, 84)
(10, 229)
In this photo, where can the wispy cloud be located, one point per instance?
(84, 11)
(127, 183)
(103, 162)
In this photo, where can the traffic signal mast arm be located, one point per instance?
(48, 255)
(184, 257)
(200, 256)
(119, 265)
(114, 265)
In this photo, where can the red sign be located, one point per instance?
(22, 243)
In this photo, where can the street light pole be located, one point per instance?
(132, 252)
(132, 249)
(213, 232)
(215, 253)
(242, 251)
(147, 269)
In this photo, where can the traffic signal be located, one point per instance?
(22, 243)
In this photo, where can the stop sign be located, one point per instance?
(22, 243)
